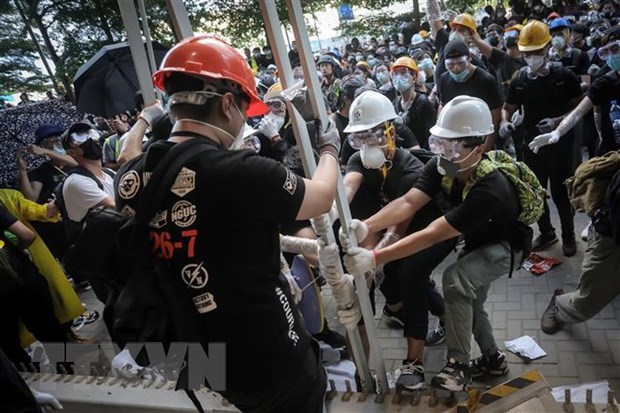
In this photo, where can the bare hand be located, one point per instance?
(37, 150)
(21, 162)
(52, 209)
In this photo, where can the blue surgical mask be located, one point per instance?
(613, 61)
(372, 62)
(426, 63)
(402, 83)
(60, 150)
(460, 77)
(361, 78)
(382, 78)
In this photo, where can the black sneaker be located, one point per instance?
(569, 246)
(331, 337)
(395, 316)
(495, 365)
(549, 322)
(454, 376)
(411, 375)
(436, 336)
(544, 240)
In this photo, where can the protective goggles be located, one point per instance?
(253, 143)
(448, 148)
(81, 137)
(612, 48)
(373, 137)
(512, 33)
(457, 63)
(276, 106)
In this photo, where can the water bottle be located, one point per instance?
(614, 116)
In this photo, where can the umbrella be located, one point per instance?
(106, 84)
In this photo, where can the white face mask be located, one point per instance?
(421, 78)
(372, 157)
(559, 42)
(534, 62)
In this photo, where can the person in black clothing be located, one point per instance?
(223, 213)
(382, 78)
(561, 51)
(348, 86)
(546, 92)
(463, 78)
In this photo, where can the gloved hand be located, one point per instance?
(344, 291)
(358, 228)
(296, 292)
(329, 141)
(152, 112)
(506, 129)
(544, 140)
(321, 224)
(517, 117)
(546, 125)
(593, 69)
(268, 127)
(333, 213)
(388, 239)
(46, 401)
(359, 260)
(329, 257)
(296, 245)
(351, 316)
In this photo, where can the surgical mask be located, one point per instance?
(372, 157)
(393, 49)
(372, 61)
(402, 83)
(459, 77)
(361, 78)
(426, 63)
(59, 150)
(359, 57)
(451, 168)
(91, 149)
(382, 78)
(456, 35)
(558, 42)
(613, 61)
(421, 78)
(534, 62)
(279, 120)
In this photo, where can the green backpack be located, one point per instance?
(529, 190)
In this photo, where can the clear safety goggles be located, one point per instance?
(512, 33)
(609, 49)
(401, 71)
(456, 63)
(81, 137)
(276, 106)
(448, 148)
(253, 143)
(373, 137)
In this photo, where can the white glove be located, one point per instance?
(268, 127)
(329, 257)
(506, 129)
(296, 292)
(344, 291)
(388, 239)
(351, 316)
(517, 117)
(333, 213)
(321, 224)
(543, 140)
(593, 69)
(297, 245)
(46, 401)
(358, 228)
(152, 112)
(359, 260)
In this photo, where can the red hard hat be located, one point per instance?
(208, 56)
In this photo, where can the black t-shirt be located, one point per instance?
(218, 230)
(49, 177)
(506, 67)
(602, 91)
(440, 42)
(420, 117)
(481, 85)
(487, 213)
(578, 62)
(544, 97)
(6, 219)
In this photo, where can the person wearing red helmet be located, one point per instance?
(223, 215)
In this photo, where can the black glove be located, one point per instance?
(546, 125)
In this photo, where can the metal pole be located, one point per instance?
(318, 35)
(296, 18)
(136, 45)
(180, 20)
(276, 40)
(149, 43)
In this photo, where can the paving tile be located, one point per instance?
(522, 315)
(567, 364)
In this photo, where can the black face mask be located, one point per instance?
(493, 41)
(91, 150)
(511, 41)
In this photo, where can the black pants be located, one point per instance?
(408, 281)
(33, 305)
(554, 164)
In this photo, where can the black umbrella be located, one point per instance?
(107, 83)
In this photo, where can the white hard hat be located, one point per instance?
(368, 110)
(462, 117)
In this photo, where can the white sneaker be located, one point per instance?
(584, 233)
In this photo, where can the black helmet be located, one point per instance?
(326, 58)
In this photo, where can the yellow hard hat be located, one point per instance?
(273, 92)
(464, 20)
(423, 33)
(405, 61)
(534, 36)
(517, 27)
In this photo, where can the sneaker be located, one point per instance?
(395, 316)
(436, 336)
(87, 317)
(495, 365)
(411, 375)
(549, 322)
(569, 247)
(544, 240)
(331, 338)
(584, 233)
(454, 376)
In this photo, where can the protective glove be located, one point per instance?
(152, 112)
(46, 401)
(506, 129)
(344, 291)
(333, 213)
(546, 125)
(329, 257)
(321, 224)
(351, 316)
(388, 239)
(358, 228)
(359, 260)
(517, 117)
(296, 291)
(298, 245)
(593, 69)
(544, 140)
(268, 127)
(329, 140)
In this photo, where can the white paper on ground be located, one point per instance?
(525, 347)
(578, 392)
